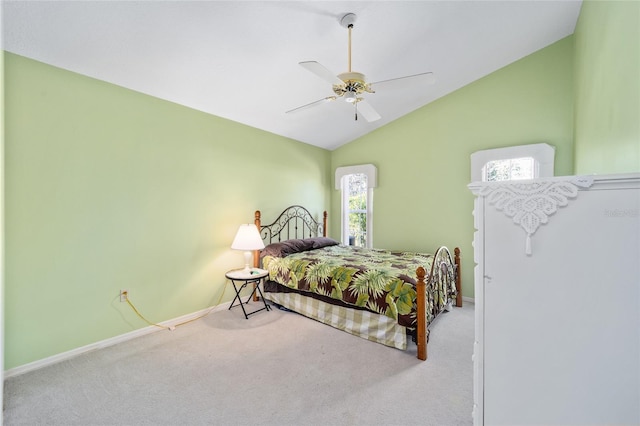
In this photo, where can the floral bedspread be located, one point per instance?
(377, 280)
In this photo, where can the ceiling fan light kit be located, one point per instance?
(350, 85)
(350, 96)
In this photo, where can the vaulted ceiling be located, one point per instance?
(240, 59)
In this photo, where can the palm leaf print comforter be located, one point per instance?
(377, 280)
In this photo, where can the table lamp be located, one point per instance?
(247, 239)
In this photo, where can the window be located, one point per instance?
(509, 169)
(513, 163)
(355, 189)
(356, 184)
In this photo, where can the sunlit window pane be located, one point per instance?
(509, 169)
(357, 184)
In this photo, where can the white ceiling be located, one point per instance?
(239, 59)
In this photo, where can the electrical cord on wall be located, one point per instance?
(173, 327)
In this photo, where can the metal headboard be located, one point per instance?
(293, 222)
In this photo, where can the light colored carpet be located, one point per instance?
(276, 368)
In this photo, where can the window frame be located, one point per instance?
(371, 172)
(543, 155)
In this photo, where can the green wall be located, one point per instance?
(607, 87)
(107, 188)
(423, 159)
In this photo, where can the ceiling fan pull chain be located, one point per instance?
(356, 106)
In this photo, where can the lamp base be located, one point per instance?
(247, 262)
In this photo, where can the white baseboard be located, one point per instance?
(468, 299)
(35, 365)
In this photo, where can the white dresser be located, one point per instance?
(557, 292)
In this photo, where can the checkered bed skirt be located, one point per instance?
(370, 326)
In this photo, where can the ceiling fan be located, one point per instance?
(351, 85)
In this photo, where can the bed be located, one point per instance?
(380, 295)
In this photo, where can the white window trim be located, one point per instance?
(372, 174)
(542, 153)
(367, 169)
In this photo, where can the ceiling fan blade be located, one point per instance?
(321, 72)
(367, 111)
(319, 101)
(406, 81)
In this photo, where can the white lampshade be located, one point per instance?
(247, 239)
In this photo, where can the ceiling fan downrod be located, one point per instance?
(347, 22)
(350, 27)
